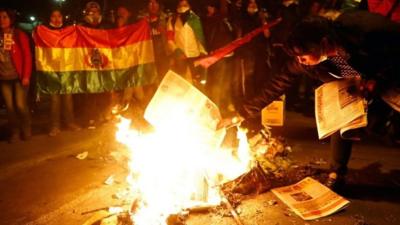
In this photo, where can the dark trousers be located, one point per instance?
(17, 108)
(65, 101)
(378, 118)
(340, 153)
(218, 85)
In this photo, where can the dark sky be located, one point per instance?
(41, 8)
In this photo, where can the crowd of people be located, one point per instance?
(323, 39)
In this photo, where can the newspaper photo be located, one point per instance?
(336, 109)
(310, 200)
(178, 100)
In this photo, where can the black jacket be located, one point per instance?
(373, 44)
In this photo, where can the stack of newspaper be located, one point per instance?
(310, 199)
(338, 110)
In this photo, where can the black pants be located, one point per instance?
(340, 153)
(378, 113)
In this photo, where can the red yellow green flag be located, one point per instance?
(78, 59)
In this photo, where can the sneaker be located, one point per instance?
(335, 182)
(73, 127)
(54, 131)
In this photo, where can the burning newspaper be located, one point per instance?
(392, 98)
(178, 100)
(310, 199)
(336, 109)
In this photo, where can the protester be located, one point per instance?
(185, 40)
(219, 32)
(330, 51)
(56, 22)
(124, 18)
(15, 73)
(254, 56)
(93, 18)
(157, 18)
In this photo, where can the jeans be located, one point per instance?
(17, 108)
(56, 102)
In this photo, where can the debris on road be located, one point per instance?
(82, 155)
(109, 180)
(272, 202)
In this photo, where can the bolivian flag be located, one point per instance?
(77, 59)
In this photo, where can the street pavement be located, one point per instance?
(42, 181)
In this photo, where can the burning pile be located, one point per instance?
(180, 165)
(173, 170)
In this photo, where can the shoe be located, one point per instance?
(73, 127)
(26, 133)
(335, 182)
(91, 124)
(54, 131)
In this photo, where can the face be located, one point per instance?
(154, 7)
(315, 8)
(310, 60)
(183, 6)
(252, 7)
(210, 10)
(5, 21)
(56, 19)
(123, 16)
(93, 15)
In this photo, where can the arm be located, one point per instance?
(26, 57)
(274, 88)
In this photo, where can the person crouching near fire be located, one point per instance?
(15, 73)
(330, 51)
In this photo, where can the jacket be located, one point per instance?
(374, 52)
(21, 55)
(384, 7)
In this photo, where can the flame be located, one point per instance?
(173, 168)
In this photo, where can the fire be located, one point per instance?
(178, 166)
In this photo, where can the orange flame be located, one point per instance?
(173, 169)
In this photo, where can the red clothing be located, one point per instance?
(383, 7)
(21, 55)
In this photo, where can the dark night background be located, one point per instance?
(40, 8)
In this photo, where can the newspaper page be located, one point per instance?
(178, 101)
(335, 108)
(392, 98)
(274, 113)
(310, 199)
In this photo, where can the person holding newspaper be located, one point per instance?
(348, 48)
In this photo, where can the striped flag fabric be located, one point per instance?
(78, 59)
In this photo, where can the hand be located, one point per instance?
(362, 87)
(230, 122)
(179, 54)
(25, 82)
